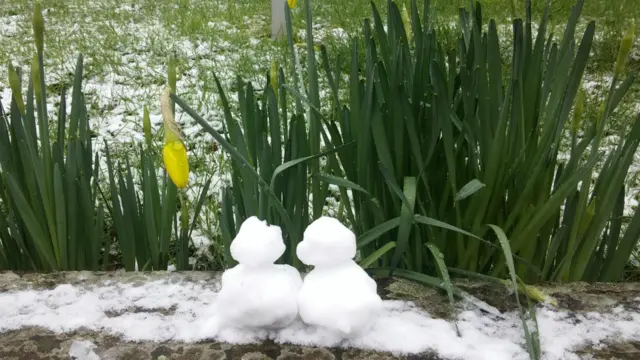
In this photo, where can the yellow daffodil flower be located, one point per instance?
(292, 3)
(174, 153)
(174, 156)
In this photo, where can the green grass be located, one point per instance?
(126, 50)
(234, 38)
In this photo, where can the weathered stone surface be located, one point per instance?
(40, 344)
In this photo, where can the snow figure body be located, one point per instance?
(257, 293)
(337, 294)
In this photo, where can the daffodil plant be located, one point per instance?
(146, 225)
(50, 218)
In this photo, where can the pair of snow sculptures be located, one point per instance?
(337, 294)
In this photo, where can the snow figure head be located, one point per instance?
(257, 243)
(327, 242)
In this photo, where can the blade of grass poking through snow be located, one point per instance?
(446, 280)
(531, 311)
(532, 344)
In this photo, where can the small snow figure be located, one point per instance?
(337, 294)
(257, 293)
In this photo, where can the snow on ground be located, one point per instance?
(182, 311)
(126, 48)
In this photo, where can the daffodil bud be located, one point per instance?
(35, 76)
(407, 24)
(38, 27)
(273, 77)
(174, 153)
(174, 156)
(14, 83)
(577, 112)
(292, 3)
(146, 125)
(625, 48)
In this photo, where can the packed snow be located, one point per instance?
(180, 311)
(83, 350)
(257, 244)
(256, 293)
(337, 294)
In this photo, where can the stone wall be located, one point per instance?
(40, 344)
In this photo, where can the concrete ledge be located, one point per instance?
(34, 343)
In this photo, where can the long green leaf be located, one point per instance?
(469, 189)
(365, 263)
(42, 242)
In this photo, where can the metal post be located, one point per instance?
(277, 18)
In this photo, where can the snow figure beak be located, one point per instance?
(174, 153)
(302, 251)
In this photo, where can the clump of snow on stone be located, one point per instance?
(256, 293)
(337, 294)
(83, 350)
(327, 242)
(180, 311)
(257, 243)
